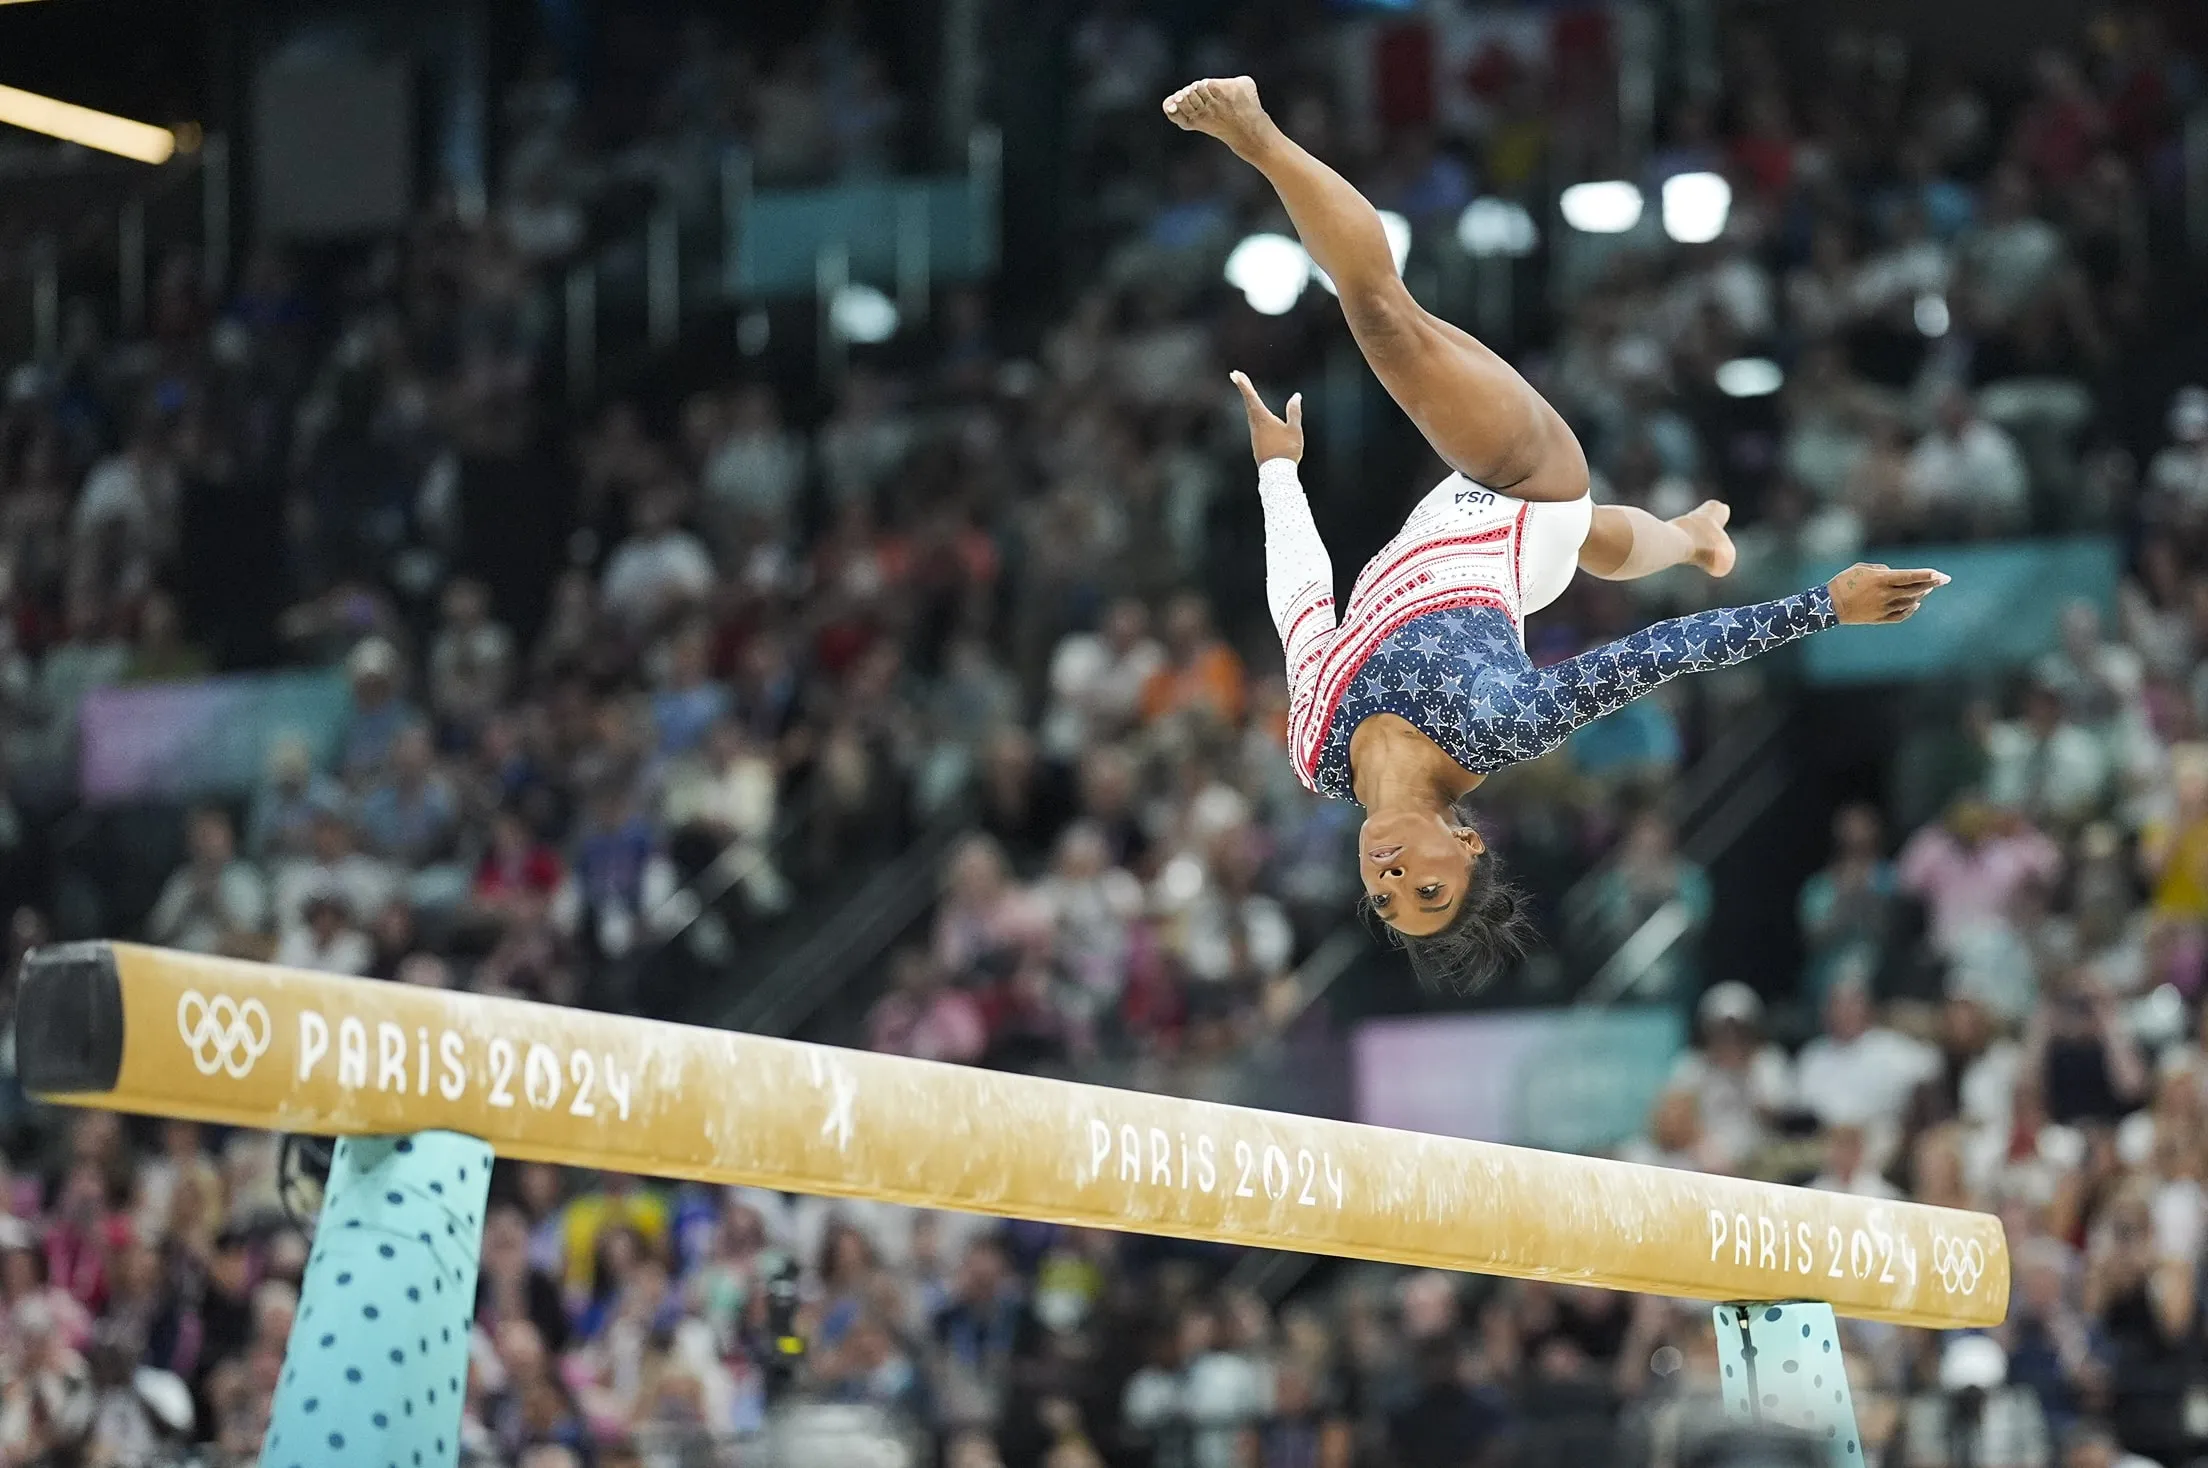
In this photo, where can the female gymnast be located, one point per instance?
(1423, 688)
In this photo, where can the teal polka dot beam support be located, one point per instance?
(1779, 1367)
(374, 1374)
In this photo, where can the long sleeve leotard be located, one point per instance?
(1432, 634)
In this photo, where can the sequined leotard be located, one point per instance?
(1432, 632)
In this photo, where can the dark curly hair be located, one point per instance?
(1490, 931)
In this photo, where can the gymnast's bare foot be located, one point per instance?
(1228, 109)
(1713, 548)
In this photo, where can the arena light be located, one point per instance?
(862, 314)
(1931, 315)
(85, 127)
(1490, 226)
(1696, 206)
(1610, 206)
(1750, 377)
(1398, 231)
(1270, 270)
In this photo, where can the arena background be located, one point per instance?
(740, 518)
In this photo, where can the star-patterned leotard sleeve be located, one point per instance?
(1517, 711)
(1459, 673)
(1463, 679)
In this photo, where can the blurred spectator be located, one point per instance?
(1740, 1082)
(1969, 869)
(471, 661)
(215, 902)
(160, 652)
(1675, 1136)
(925, 1018)
(2089, 1068)
(1860, 1074)
(2045, 767)
(1971, 1415)
(757, 466)
(379, 713)
(660, 569)
(326, 939)
(1848, 910)
(1447, 1423)
(331, 865)
(1649, 877)
(1847, 1167)
(290, 798)
(1097, 681)
(1201, 674)
(409, 817)
(1195, 1404)
(1966, 474)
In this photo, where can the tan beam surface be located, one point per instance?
(253, 1045)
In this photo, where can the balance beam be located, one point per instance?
(128, 1028)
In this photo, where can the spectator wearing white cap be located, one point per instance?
(281, 821)
(1740, 1081)
(380, 711)
(1971, 1413)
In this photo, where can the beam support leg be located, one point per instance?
(1781, 1369)
(376, 1369)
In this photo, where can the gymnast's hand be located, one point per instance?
(1866, 593)
(1270, 438)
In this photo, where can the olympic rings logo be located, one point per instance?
(1960, 1263)
(224, 1036)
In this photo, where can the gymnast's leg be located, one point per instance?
(1625, 543)
(1484, 419)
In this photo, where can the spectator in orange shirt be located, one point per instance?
(1201, 672)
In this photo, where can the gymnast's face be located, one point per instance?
(1416, 866)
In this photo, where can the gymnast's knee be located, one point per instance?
(1384, 318)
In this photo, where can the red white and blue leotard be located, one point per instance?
(1432, 632)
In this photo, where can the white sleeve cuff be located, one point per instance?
(1276, 476)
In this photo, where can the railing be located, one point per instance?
(89, 229)
(1728, 788)
(903, 236)
(848, 941)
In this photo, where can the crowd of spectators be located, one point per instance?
(755, 640)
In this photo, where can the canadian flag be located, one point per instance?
(1453, 67)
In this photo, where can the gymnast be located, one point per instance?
(1423, 688)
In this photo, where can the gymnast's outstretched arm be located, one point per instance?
(1533, 711)
(1299, 574)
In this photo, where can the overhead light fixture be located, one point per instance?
(862, 314)
(1611, 206)
(1931, 314)
(85, 127)
(1398, 231)
(1270, 270)
(1750, 377)
(1490, 226)
(1696, 206)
